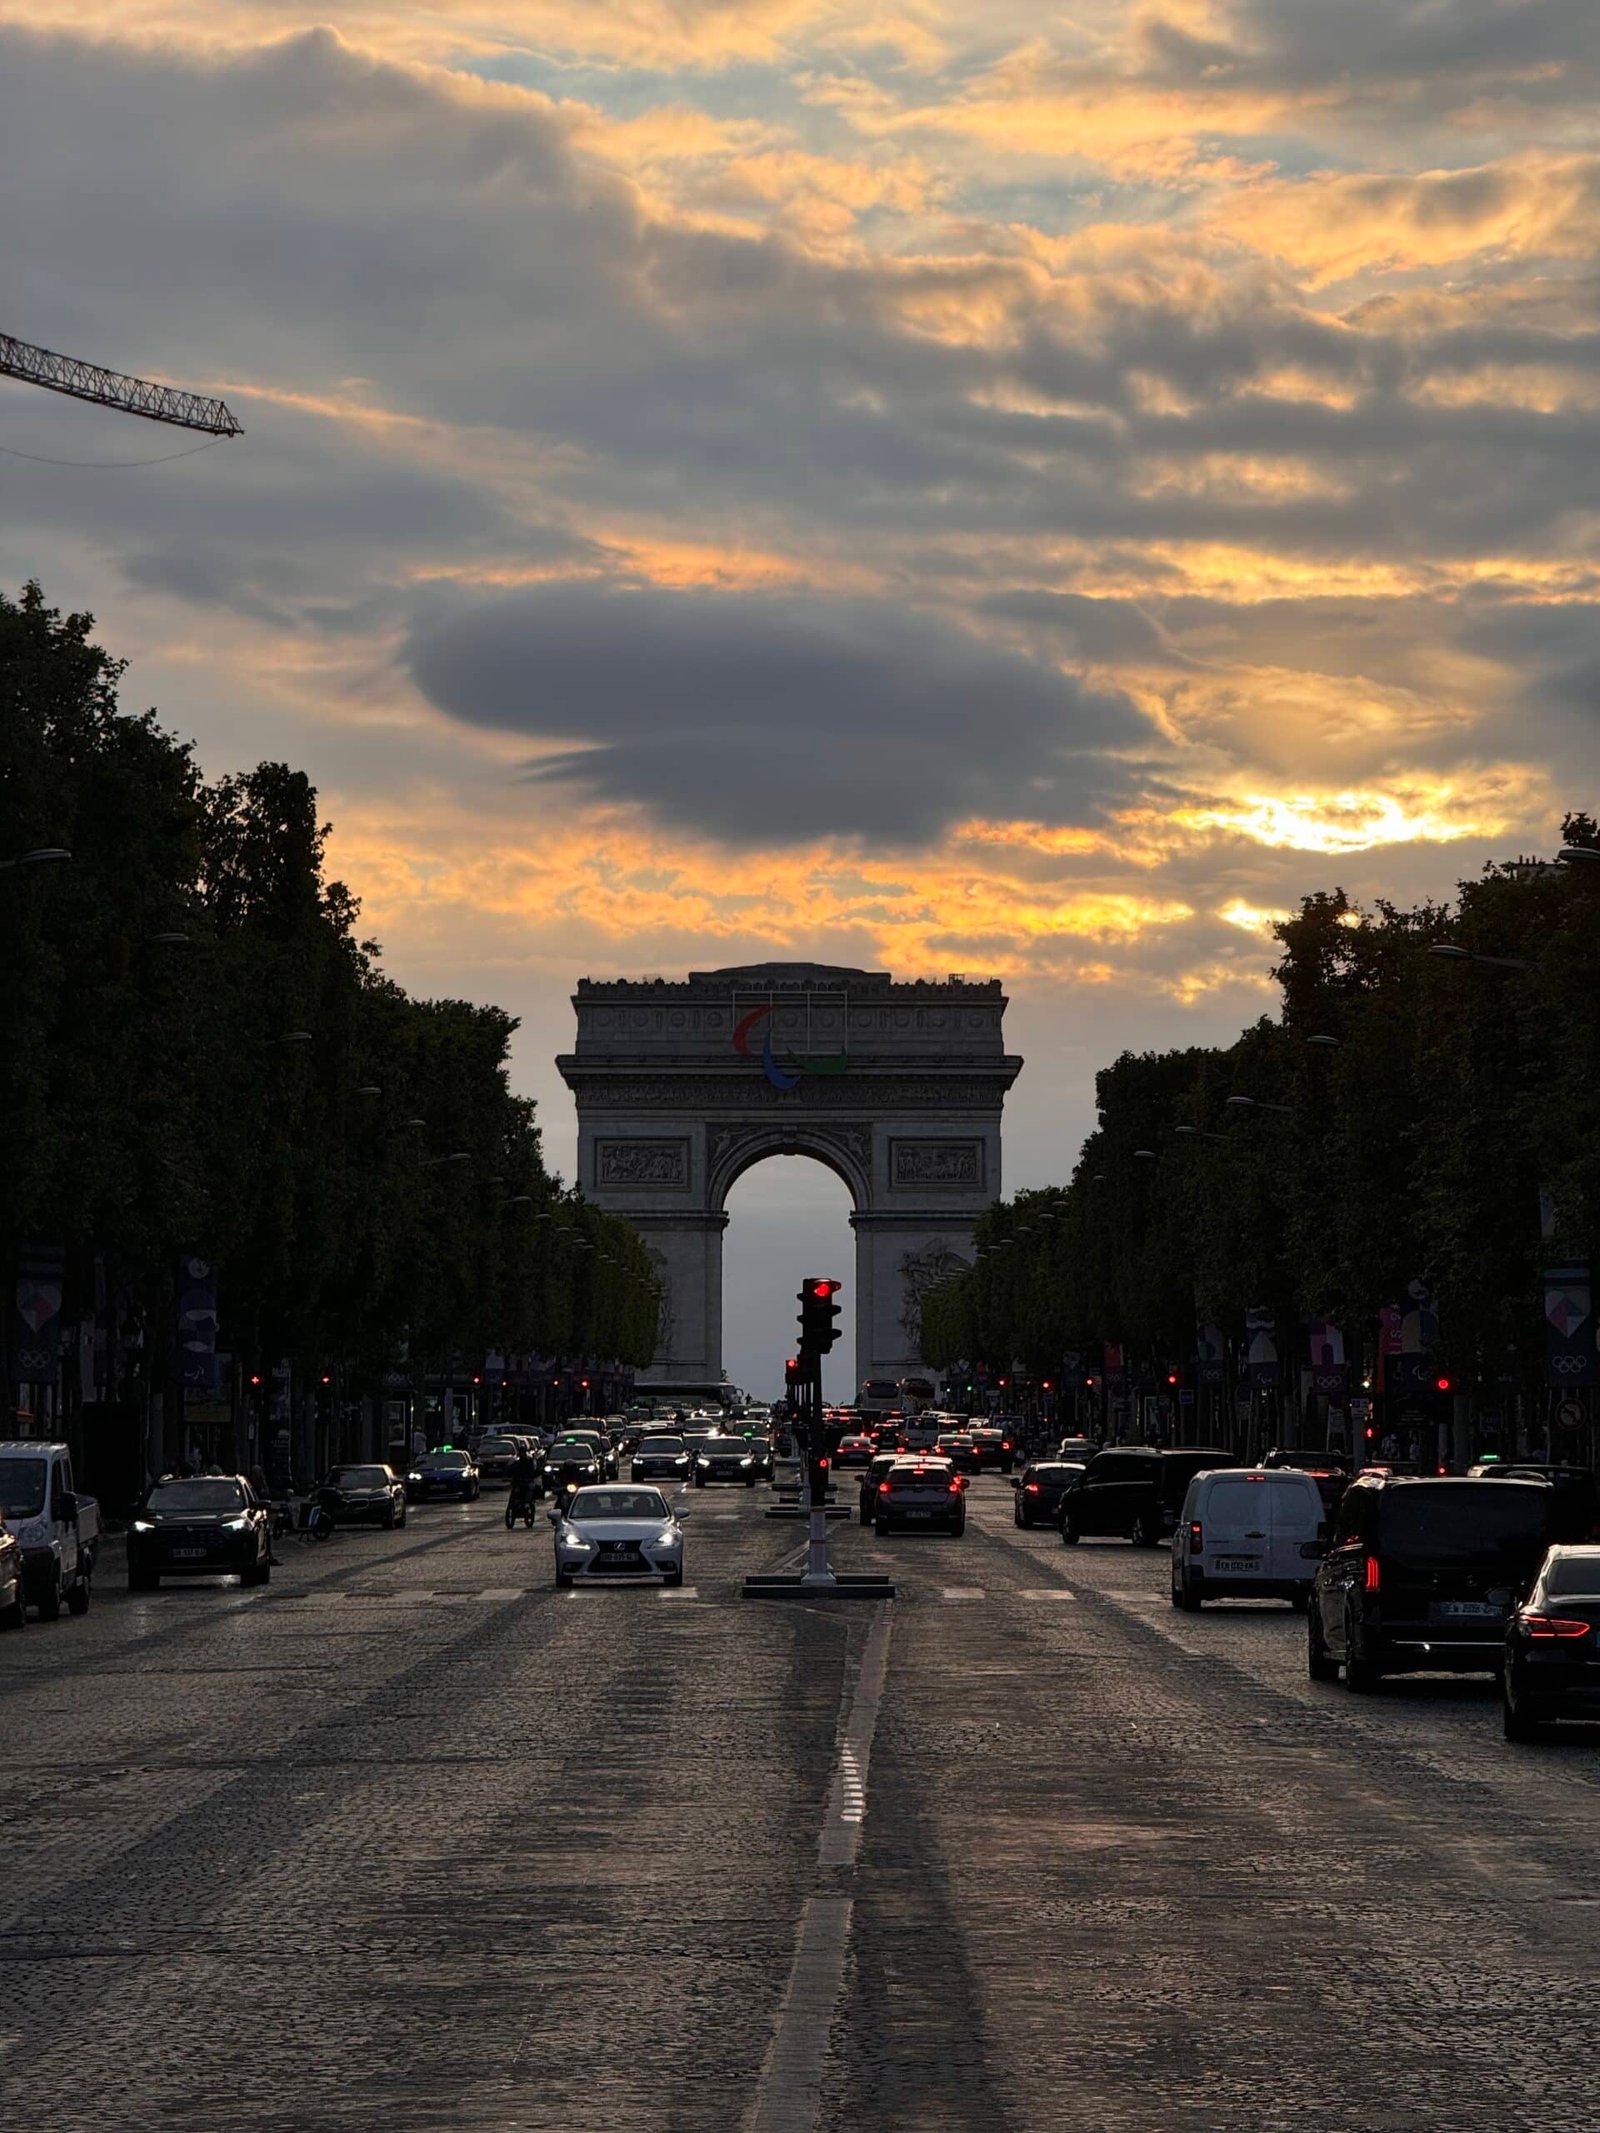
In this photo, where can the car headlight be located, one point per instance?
(569, 1539)
(669, 1539)
(236, 1525)
(747, 1462)
(144, 1525)
(413, 1477)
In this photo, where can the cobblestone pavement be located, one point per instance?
(412, 1841)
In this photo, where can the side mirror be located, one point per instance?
(1016, 1481)
(554, 1517)
(681, 1511)
(66, 1506)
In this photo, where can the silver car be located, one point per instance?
(615, 1532)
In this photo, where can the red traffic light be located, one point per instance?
(1371, 1432)
(1172, 1377)
(255, 1377)
(1441, 1384)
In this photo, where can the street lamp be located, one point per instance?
(1448, 953)
(293, 1036)
(1146, 1155)
(1325, 1043)
(42, 855)
(459, 1155)
(1259, 1103)
(1199, 1133)
(1578, 854)
(166, 940)
(518, 1199)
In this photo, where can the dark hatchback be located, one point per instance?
(724, 1459)
(1421, 1576)
(996, 1449)
(1552, 1656)
(1042, 1489)
(572, 1464)
(445, 1472)
(659, 1459)
(1136, 1491)
(210, 1526)
(366, 1495)
(961, 1452)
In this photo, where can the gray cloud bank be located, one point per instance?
(765, 720)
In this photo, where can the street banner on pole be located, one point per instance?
(1263, 1352)
(36, 1313)
(197, 1323)
(1211, 1355)
(1569, 1326)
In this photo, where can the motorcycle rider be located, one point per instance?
(523, 1476)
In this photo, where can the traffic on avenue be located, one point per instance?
(1168, 1791)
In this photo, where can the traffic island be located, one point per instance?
(840, 1585)
(833, 1513)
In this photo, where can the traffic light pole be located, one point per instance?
(816, 1444)
(813, 1446)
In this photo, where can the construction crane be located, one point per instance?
(109, 388)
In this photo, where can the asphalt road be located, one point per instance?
(412, 1841)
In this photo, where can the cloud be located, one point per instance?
(768, 720)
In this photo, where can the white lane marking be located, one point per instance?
(1046, 1592)
(963, 1592)
(679, 1592)
(502, 1592)
(789, 2093)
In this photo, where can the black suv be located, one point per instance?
(1135, 1491)
(1421, 1575)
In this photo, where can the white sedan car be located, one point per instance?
(612, 1532)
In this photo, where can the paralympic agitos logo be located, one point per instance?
(793, 1071)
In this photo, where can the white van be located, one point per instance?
(1248, 1532)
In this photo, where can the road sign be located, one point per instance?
(1569, 1414)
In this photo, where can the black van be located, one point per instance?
(1135, 1491)
(1421, 1575)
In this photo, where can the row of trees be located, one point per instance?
(200, 1057)
(1425, 1109)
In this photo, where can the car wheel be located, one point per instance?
(1069, 1533)
(672, 1577)
(1300, 1601)
(1146, 1532)
(865, 1516)
(78, 1597)
(1319, 1664)
(879, 1528)
(1017, 1518)
(400, 1518)
(389, 1519)
(1185, 1596)
(143, 1580)
(958, 1526)
(50, 1598)
(16, 1614)
(699, 1481)
(751, 1482)
(1514, 1716)
(563, 1579)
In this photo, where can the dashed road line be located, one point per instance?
(963, 1592)
(1046, 1592)
(789, 2093)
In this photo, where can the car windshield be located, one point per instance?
(1056, 1470)
(358, 1477)
(22, 1487)
(661, 1444)
(1573, 1577)
(617, 1503)
(196, 1496)
(725, 1448)
(1463, 1522)
(493, 1445)
(446, 1459)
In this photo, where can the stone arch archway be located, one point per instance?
(897, 1088)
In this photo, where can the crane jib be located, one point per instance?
(110, 388)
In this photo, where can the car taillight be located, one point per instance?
(1030, 1488)
(1371, 1580)
(1543, 1626)
(883, 1488)
(1196, 1538)
(955, 1486)
(1005, 1447)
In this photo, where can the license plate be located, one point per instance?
(188, 1555)
(1467, 1611)
(1238, 1562)
(919, 1514)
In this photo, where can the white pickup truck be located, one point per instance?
(58, 1529)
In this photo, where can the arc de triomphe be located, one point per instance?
(682, 1086)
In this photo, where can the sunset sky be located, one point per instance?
(940, 486)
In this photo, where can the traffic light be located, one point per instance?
(819, 1314)
(1441, 1384)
